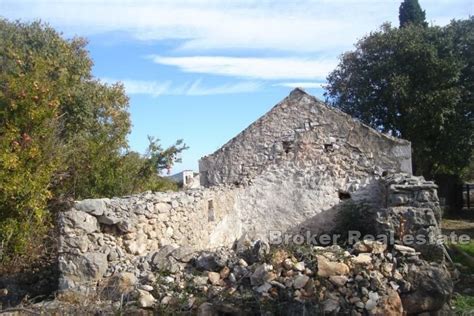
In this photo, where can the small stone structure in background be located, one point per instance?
(186, 179)
(290, 170)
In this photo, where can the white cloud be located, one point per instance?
(252, 67)
(193, 88)
(305, 85)
(231, 88)
(297, 26)
(152, 88)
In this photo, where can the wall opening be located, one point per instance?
(328, 148)
(210, 211)
(343, 195)
(286, 146)
(188, 179)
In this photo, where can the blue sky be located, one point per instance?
(203, 70)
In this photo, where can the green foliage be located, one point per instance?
(29, 100)
(410, 12)
(415, 83)
(463, 304)
(124, 174)
(63, 135)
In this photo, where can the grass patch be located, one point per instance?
(463, 304)
(467, 248)
(464, 254)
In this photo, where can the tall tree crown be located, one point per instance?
(410, 12)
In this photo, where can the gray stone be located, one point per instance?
(86, 267)
(162, 207)
(300, 281)
(258, 277)
(331, 306)
(431, 288)
(126, 226)
(211, 261)
(259, 250)
(370, 304)
(263, 288)
(183, 254)
(94, 207)
(163, 261)
(108, 219)
(80, 220)
(200, 280)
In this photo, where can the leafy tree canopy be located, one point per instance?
(62, 134)
(416, 83)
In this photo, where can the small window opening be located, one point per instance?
(328, 148)
(210, 211)
(286, 146)
(188, 180)
(344, 195)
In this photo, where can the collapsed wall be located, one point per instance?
(101, 237)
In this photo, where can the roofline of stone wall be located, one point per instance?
(301, 92)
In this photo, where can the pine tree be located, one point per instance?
(410, 12)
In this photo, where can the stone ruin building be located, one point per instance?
(290, 170)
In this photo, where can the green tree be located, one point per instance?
(29, 120)
(63, 135)
(415, 83)
(410, 12)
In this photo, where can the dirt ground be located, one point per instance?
(460, 226)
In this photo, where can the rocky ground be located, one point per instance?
(366, 279)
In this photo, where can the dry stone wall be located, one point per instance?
(101, 237)
(412, 213)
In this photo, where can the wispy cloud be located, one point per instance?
(296, 26)
(252, 67)
(231, 88)
(193, 88)
(305, 84)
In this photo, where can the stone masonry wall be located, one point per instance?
(101, 237)
(299, 161)
(302, 129)
(412, 209)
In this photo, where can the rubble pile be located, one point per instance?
(368, 278)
